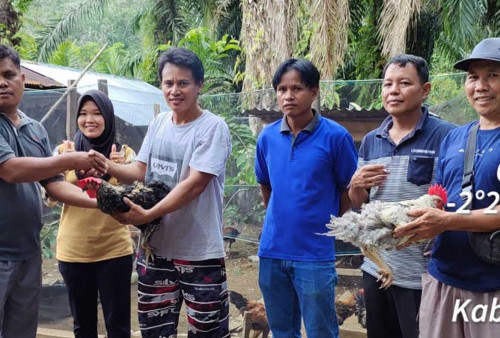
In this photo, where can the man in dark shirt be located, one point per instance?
(24, 161)
(460, 292)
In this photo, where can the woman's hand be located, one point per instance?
(68, 147)
(116, 156)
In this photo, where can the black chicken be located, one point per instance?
(229, 234)
(110, 201)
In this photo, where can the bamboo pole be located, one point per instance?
(53, 108)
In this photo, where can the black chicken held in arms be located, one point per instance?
(110, 201)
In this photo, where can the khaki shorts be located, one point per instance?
(449, 312)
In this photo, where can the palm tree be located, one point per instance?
(329, 39)
(10, 20)
(395, 21)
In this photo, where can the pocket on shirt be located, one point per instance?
(420, 170)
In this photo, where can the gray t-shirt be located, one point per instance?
(193, 232)
(20, 203)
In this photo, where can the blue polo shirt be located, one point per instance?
(453, 261)
(306, 174)
(411, 163)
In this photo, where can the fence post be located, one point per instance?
(247, 324)
(102, 85)
(71, 111)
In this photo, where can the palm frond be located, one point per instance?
(170, 20)
(58, 32)
(22, 5)
(329, 39)
(396, 18)
(460, 20)
(66, 54)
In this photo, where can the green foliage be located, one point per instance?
(330, 98)
(460, 20)
(48, 234)
(66, 54)
(233, 215)
(58, 31)
(240, 167)
(22, 5)
(28, 46)
(243, 153)
(217, 57)
(364, 60)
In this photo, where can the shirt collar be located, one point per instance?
(310, 127)
(383, 130)
(23, 117)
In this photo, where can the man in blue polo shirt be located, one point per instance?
(461, 293)
(396, 162)
(303, 164)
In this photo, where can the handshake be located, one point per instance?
(91, 163)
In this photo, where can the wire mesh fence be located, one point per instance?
(243, 209)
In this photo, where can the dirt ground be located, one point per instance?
(242, 272)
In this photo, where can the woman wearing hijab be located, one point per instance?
(94, 250)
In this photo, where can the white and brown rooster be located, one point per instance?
(371, 229)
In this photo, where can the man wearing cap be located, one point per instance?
(461, 293)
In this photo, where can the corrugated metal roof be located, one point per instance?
(132, 99)
(38, 81)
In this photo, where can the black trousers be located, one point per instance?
(390, 313)
(110, 279)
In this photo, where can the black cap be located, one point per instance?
(488, 49)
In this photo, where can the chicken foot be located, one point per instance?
(384, 272)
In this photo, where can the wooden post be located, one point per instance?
(247, 324)
(102, 85)
(71, 111)
(156, 109)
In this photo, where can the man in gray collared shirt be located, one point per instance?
(25, 163)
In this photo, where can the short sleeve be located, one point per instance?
(212, 150)
(129, 154)
(147, 143)
(44, 139)
(6, 152)
(361, 155)
(261, 171)
(345, 160)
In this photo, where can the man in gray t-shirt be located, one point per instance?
(25, 163)
(187, 149)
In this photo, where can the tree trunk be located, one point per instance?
(9, 23)
(268, 35)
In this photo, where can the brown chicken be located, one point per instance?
(349, 304)
(257, 310)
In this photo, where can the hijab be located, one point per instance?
(103, 143)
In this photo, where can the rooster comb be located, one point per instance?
(83, 182)
(440, 191)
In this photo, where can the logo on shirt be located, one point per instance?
(163, 167)
(423, 151)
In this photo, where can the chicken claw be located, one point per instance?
(385, 278)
